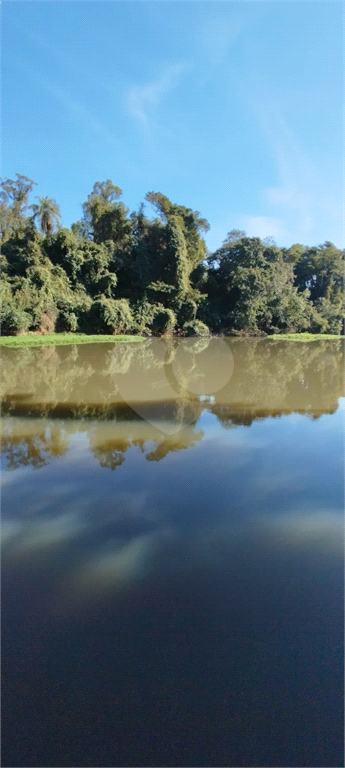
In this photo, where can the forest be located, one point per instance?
(118, 272)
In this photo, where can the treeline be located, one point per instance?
(121, 272)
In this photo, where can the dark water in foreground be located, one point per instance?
(173, 554)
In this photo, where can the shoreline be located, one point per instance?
(62, 339)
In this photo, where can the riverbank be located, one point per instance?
(304, 336)
(58, 339)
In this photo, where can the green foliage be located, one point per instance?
(104, 218)
(61, 339)
(176, 259)
(189, 222)
(164, 321)
(187, 312)
(294, 253)
(198, 277)
(64, 250)
(252, 290)
(321, 270)
(143, 314)
(110, 316)
(113, 272)
(14, 204)
(67, 321)
(328, 316)
(195, 328)
(235, 234)
(21, 251)
(14, 320)
(306, 337)
(95, 275)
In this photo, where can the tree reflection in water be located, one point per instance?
(81, 388)
(36, 449)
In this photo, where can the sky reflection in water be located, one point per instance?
(220, 542)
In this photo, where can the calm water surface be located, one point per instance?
(172, 568)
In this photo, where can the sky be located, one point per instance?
(233, 109)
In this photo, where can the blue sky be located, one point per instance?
(234, 109)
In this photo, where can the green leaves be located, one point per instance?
(321, 269)
(13, 205)
(253, 288)
(115, 272)
(110, 316)
(164, 320)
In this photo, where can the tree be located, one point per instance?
(114, 270)
(103, 217)
(321, 270)
(110, 316)
(106, 191)
(15, 193)
(294, 253)
(84, 262)
(164, 320)
(174, 290)
(65, 250)
(47, 212)
(233, 235)
(251, 289)
(190, 222)
(13, 204)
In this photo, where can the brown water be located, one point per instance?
(172, 554)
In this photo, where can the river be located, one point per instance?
(172, 566)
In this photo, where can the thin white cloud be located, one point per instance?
(305, 195)
(141, 98)
(265, 226)
(218, 34)
(297, 175)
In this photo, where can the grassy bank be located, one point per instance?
(28, 340)
(304, 336)
(57, 339)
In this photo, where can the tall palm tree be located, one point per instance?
(47, 212)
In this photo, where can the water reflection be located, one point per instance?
(246, 379)
(114, 566)
(29, 442)
(275, 489)
(185, 609)
(132, 395)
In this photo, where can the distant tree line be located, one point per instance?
(121, 272)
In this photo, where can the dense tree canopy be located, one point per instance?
(119, 272)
